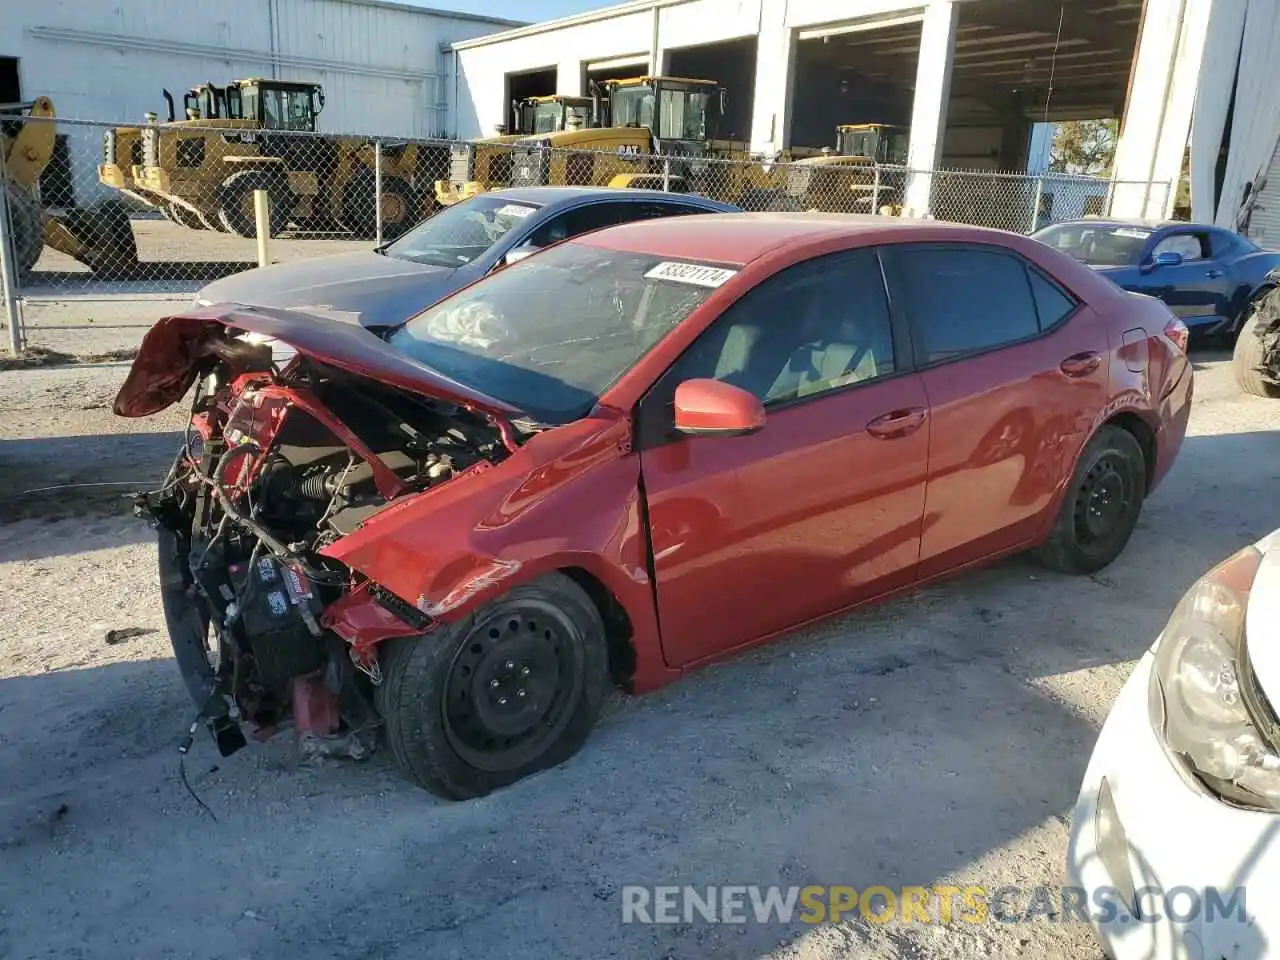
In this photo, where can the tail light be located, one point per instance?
(1177, 331)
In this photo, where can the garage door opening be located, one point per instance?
(529, 83)
(732, 64)
(852, 75)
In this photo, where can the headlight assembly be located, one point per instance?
(1204, 703)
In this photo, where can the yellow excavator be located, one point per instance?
(252, 134)
(485, 163)
(847, 179)
(122, 155)
(662, 133)
(101, 237)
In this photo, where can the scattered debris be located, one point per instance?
(44, 357)
(127, 633)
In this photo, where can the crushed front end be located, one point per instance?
(277, 464)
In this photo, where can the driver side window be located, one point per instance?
(815, 327)
(1190, 245)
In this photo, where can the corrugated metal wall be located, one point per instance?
(1264, 223)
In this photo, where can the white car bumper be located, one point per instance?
(1212, 870)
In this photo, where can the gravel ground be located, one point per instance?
(939, 738)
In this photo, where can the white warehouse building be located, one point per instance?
(383, 65)
(970, 78)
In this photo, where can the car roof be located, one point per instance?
(556, 196)
(739, 238)
(1131, 222)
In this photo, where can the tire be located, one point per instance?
(1257, 351)
(1101, 506)
(28, 228)
(181, 215)
(235, 202)
(360, 215)
(447, 699)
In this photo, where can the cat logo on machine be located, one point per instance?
(244, 136)
(629, 150)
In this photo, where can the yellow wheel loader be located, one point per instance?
(257, 134)
(485, 163)
(850, 179)
(100, 237)
(662, 133)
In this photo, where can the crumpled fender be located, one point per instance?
(569, 497)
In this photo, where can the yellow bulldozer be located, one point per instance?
(850, 179)
(100, 237)
(257, 134)
(662, 133)
(485, 163)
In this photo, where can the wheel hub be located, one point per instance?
(512, 687)
(1103, 500)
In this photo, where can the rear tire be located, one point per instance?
(235, 202)
(509, 690)
(1100, 507)
(360, 214)
(1256, 350)
(28, 228)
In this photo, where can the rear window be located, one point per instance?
(549, 334)
(1097, 244)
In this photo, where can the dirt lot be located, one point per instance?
(937, 738)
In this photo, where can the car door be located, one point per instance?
(754, 534)
(1198, 289)
(1013, 367)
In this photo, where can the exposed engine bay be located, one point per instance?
(275, 465)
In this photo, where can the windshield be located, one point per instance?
(1097, 244)
(279, 109)
(546, 118)
(632, 107)
(551, 333)
(462, 232)
(682, 114)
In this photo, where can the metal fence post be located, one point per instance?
(9, 272)
(262, 216)
(377, 191)
(875, 188)
(666, 174)
(1035, 204)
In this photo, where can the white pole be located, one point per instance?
(262, 215)
(8, 273)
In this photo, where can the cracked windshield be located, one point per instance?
(551, 333)
(459, 234)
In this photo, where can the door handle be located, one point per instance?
(1213, 274)
(1080, 364)
(897, 423)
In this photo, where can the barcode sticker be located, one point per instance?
(692, 273)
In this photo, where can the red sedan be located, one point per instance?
(642, 449)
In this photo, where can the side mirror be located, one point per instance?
(707, 407)
(1169, 258)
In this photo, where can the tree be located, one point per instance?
(1084, 147)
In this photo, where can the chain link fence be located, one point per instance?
(123, 216)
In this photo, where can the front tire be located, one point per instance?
(1257, 348)
(235, 203)
(1100, 507)
(509, 690)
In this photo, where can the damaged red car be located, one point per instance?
(640, 450)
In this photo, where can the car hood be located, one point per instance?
(1262, 619)
(365, 288)
(177, 349)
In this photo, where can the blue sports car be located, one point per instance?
(1208, 276)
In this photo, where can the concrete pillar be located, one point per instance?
(569, 78)
(775, 80)
(657, 55)
(929, 111)
(1157, 116)
(1015, 134)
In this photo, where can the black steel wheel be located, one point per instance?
(1101, 506)
(512, 689)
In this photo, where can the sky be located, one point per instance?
(530, 10)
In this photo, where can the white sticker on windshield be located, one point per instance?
(514, 210)
(694, 273)
(1131, 232)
